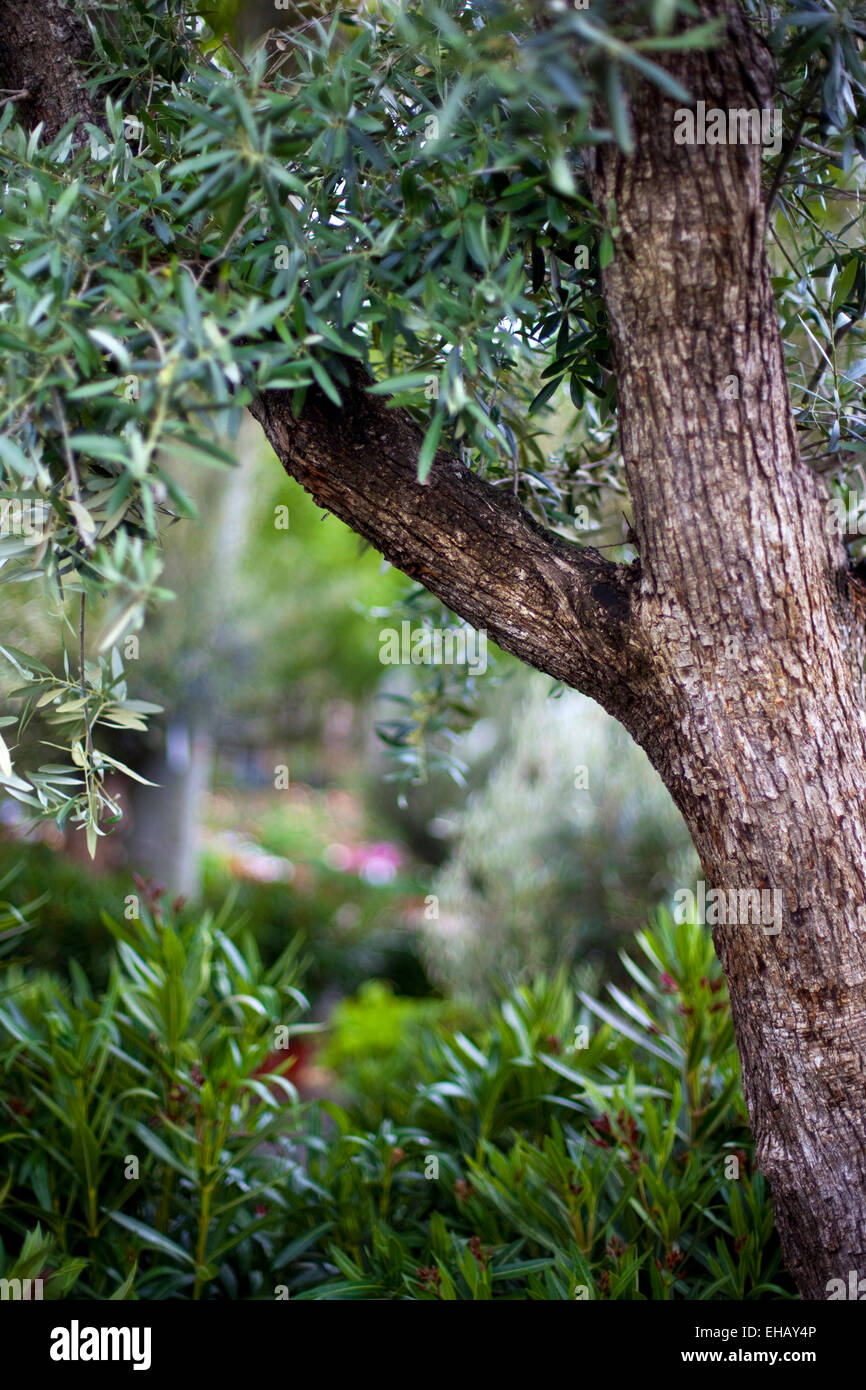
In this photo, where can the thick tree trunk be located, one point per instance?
(756, 652)
(737, 660)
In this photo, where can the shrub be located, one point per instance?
(139, 1121)
(528, 1158)
(376, 941)
(376, 1043)
(78, 899)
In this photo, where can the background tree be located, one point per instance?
(377, 231)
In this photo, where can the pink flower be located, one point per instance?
(376, 864)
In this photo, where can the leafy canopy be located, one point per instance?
(395, 185)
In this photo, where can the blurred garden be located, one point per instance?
(356, 1001)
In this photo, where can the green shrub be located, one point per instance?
(564, 1171)
(376, 1043)
(376, 940)
(340, 954)
(73, 928)
(524, 1158)
(138, 1122)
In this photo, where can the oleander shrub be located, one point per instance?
(561, 1147)
(142, 1125)
(377, 1046)
(614, 1162)
(351, 929)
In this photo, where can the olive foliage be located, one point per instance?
(399, 186)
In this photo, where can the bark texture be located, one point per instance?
(562, 608)
(733, 653)
(43, 47)
(756, 651)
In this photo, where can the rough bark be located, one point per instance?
(756, 652)
(562, 608)
(42, 49)
(734, 654)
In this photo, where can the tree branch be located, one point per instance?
(562, 608)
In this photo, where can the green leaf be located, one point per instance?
(407, 381)
(65, 203)
(122, 1292)
(430, 445)
(5, 759)
(619, 110)
(561, 176)
(325, 382)
(15, 458)
(154, 1239)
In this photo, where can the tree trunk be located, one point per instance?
(166, 824)
(757, 692)
(42, 48)
(736, 661)
(166, 820)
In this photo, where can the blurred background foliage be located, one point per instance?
(389, 188)
(268, 658)
(438, 928)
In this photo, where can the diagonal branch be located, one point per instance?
(562, 608)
